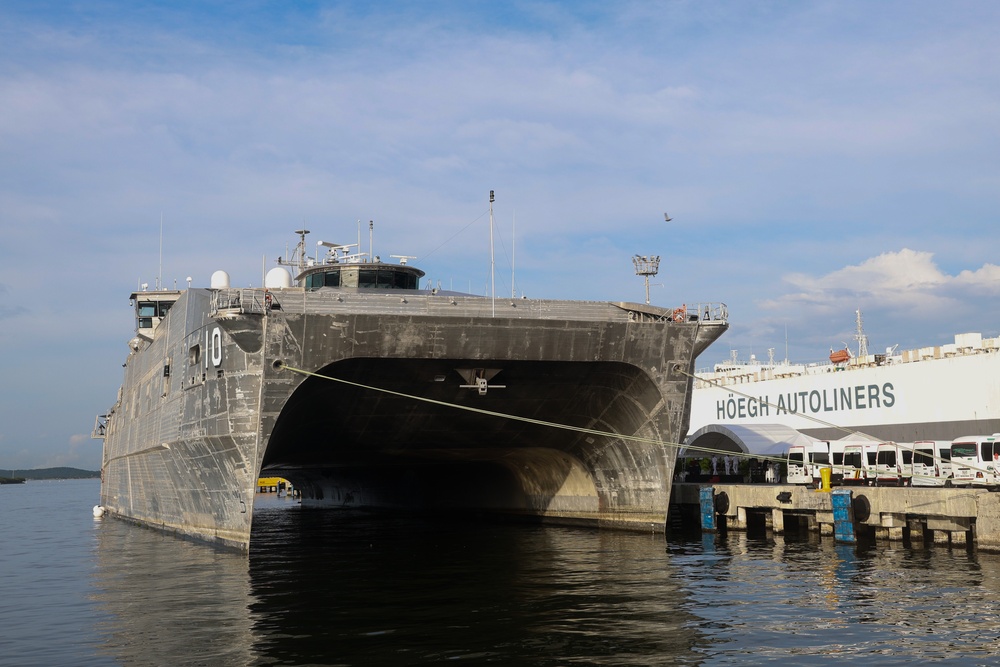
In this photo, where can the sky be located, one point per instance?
(816, 158)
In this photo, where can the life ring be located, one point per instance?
(680, 314)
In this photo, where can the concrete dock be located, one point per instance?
(955, 516)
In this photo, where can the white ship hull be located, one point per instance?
(931, 394)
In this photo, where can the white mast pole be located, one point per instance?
(160, 274)
(513, 240)
(371, 242)
(493, 285)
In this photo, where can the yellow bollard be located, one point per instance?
(824, 479)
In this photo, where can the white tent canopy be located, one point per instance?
(761, 440)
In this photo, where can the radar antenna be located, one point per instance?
(298, 259)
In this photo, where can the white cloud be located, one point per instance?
(892, 281)
(771, 133)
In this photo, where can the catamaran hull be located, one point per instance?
(404, 409)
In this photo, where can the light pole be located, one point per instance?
(646, 267)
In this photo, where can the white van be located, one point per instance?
(859, 462)
(932, 463)
(804, 462)
(975, 460)
(836, 460)
(894, 464)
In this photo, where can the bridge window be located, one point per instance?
(374, 278)
(147, 310)
(327, 279)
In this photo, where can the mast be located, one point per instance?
(513, 238)
(861, 337)
(159, 275)
(300, 250)
(493, 285)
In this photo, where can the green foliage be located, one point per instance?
(49, 473)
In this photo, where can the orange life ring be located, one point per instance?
(680, 314)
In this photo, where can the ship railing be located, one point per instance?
(711, 312)
(697, 312)
(239, 301)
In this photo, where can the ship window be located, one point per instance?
(385, 279)
(327, 279)
(194, 355)
(404, 280)
(146, 311)
(367, 278)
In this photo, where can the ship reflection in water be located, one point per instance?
(325, 587)
(328, 587)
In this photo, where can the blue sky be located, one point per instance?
(816, 158)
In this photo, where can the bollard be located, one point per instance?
(843, 515)
(706, 499)
(824, 479)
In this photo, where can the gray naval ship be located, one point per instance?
(366, 391)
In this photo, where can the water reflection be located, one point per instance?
(405, 590)
(323, 587)
(806, 601)
(169, 600)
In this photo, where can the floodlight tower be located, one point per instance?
(646, 267)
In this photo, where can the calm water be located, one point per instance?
(322, 588)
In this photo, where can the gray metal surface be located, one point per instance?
(211, 402)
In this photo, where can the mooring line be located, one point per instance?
(503, 415)
(566, 427)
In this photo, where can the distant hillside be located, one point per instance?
(50, 473)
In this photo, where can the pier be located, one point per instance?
(950, 516)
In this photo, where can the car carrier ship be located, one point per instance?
(938, 392)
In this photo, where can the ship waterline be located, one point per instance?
(393, 398)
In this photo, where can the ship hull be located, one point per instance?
(560, 410)
(932, 399)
